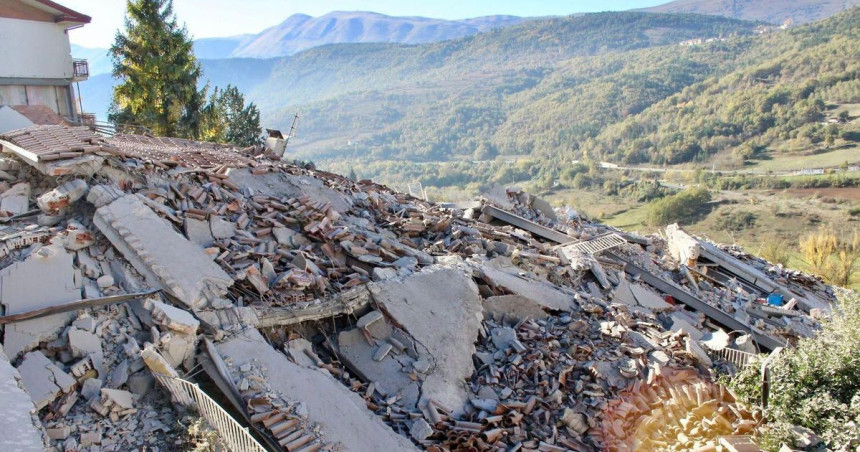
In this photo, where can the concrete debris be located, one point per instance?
(43, 380)
(163, 256)
(60, 198)
(51, 269)
(18, 431)
(337, 413)
(15, 200)
(497, 324)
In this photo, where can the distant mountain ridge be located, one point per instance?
(772, 11)
(301, 32)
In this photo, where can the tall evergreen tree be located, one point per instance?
(158, 72)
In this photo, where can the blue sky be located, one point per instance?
(209, 18)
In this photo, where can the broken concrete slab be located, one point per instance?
(171, 317)
(513, 308)
(648, 299)
(388, 374)
(164, 257)
(299, 350)
(63, 196)
(503, 274)
(16, 200)
(221, 228)
(338, 412)
(83, 343)
(198, 232)
(441, 310)
(18, 431)
(43, 380)
(681, 324)
(53, 267)
(282, 185)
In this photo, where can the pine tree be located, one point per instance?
(158, 72)
(243, 122)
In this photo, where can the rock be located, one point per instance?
(140, 383)
(105, 281)
(91, 389)
(420, 430)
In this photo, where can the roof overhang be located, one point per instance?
(62, 15)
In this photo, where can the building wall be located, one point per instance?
(34, 50)
(55, 97)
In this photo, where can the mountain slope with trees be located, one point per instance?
(793, 11)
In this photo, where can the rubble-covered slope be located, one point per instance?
(339, 315)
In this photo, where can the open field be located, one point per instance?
(795, 162)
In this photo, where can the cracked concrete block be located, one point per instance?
(440, 309)
(501, 273)
(172, 317)
(91, 389)
(289, 238)
(514, 308)
(681, 324)
(63, 196)
(221, 228)
(297, 349)
(388, 373)
(338, 412)
(78, 237)
(84, 343)
(16, 200)
(165, 258)
(102, 195)
(18, 432)
(198, 232)
(123, 400)
(43, 380)
(53, 267)
(648, 299)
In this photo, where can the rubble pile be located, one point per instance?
(340, 315)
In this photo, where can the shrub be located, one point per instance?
(817, 384)
(735, 220)
(775, 250)
(833, 257)
(682, 207)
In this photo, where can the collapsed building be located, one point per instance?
(331, 314)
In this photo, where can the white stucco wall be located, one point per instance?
(30, 49)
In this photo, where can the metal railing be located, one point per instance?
(598, 244)
(236, 437)
(81, 69)
(737, 357)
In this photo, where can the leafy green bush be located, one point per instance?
(817, 384)
(682, 207)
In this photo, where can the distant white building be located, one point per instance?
(37, 72)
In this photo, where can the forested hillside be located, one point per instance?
(612, 86)
(776, 12)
